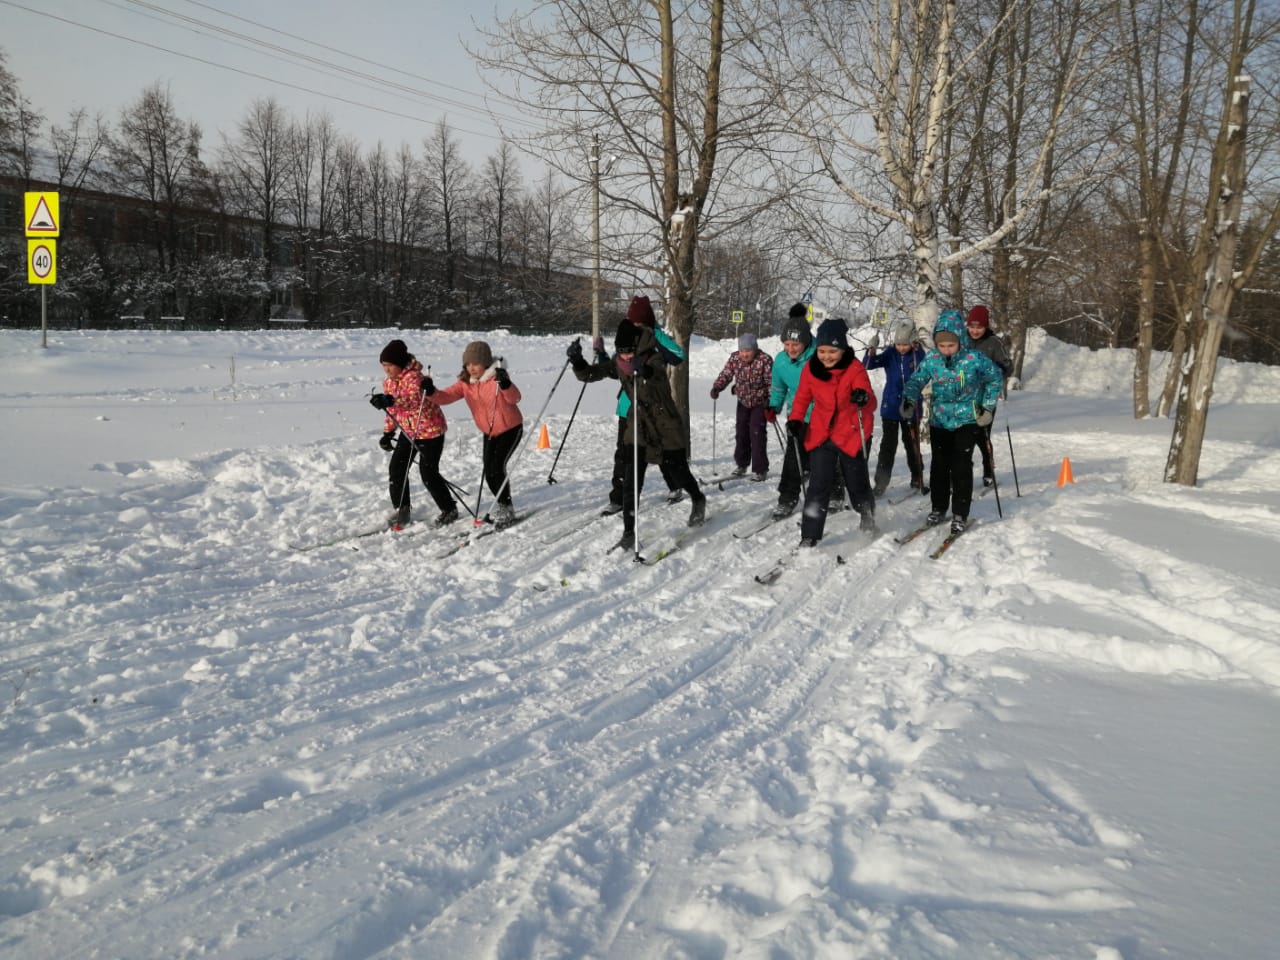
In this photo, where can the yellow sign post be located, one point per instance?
(737, 316)
(41, 213)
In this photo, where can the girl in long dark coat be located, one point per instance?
(642, 370)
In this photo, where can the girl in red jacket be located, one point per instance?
(839, 430)
(493, 399)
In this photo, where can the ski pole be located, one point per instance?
(995, 484)
(461, 495)
(862, 448)
(635, 458)
(913, 437)
(551, 477)
(1012, 462)
(511, 461)
(714, 401)
(777, 432)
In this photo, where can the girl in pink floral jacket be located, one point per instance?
(753, 371)
(422, 427)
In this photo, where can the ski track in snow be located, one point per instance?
(542, 748)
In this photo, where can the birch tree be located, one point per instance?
(1224, 266)
(896, 63)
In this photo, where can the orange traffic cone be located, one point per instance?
(1064, 474)
(544, 440)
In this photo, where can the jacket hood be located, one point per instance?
(952, 322)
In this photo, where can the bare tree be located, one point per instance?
(896, 63)
(76, 149)
(447, 185)
(19, 128)
(310, 188)
(500, 187)
(155, 156)
(256, 163)
(645, 77)
(1218, 258)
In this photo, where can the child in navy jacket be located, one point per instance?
(899, 361)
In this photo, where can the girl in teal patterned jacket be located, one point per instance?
(966, 386)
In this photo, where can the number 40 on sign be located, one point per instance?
(42, 261)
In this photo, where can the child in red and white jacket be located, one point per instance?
(493, 399)
(839, 430)
(422, 428)
(753, 371)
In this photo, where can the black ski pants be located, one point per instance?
(495, 454)
(622, 468)
(428, 467)
(675, 468)
(827, 463)
(795, 464)
(889, 450)
(951, 468)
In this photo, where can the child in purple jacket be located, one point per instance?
(753, 371)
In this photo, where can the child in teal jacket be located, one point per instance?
(966, 386)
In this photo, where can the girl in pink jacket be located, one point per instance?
(422, 427)
(493, 400)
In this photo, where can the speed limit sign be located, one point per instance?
(42, 261)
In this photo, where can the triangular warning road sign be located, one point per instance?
(43, 220)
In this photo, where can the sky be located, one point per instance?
(232, 727)
(101, 54)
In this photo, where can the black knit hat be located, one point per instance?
(832, 332)
(396, 353)
(798, 310)
(628, 337)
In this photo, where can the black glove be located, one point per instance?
(983, 415)
(859, 397)
(382, 401)
(907, 409)
(715, 393)
(503, 378)
(428, 386)
(385, 442)
(574, 353)
(796, 429)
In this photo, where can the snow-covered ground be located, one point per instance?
(1059, 740)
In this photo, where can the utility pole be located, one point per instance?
(595, 235)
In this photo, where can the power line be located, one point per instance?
(322, 46)
(311, 62)
(248, 73)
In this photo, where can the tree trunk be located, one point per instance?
(1219, 287)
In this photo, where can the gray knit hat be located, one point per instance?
(748, 342)
(796, 328)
